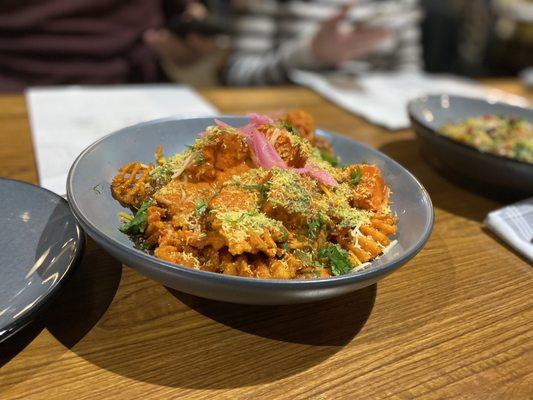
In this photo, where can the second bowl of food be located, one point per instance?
(249, 210)
(488, 142)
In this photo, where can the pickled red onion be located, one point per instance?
(220, 123)
(316, 173)
(264, 153)
(258, 119)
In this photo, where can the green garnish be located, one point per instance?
(306, 258)
(162, 174)
(139, 221)
(284, 235)
(289, 127)
(236, 225)
(522, 151)
(143, 245)
(264, 193)
(200, 159)
(334, 161)
(286, 190)
(96, 189)
(201, 208)
(315, 225)
(355, 176)
(337, 258)
(262, 188)
(254, 186)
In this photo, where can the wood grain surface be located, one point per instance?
(455, 322)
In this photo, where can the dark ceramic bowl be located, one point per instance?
(40, 244)
(429, 113)
(89, 195)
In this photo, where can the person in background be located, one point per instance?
(512, 47)
(272, 37)
(50, 42)
(478, 37)
(456, 36)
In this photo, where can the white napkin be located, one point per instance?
(65, 120)
(382, 97)
(514, 224)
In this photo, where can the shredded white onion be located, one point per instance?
(183, 166)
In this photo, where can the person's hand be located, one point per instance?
(194, 10)
(177, 51)
(332, 45)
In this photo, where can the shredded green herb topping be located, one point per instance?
(262, 188)
(201, 208)
(139, 221)
(289, 127)
(355, 176)
(336, 258)
(334, 161)
(315, 225)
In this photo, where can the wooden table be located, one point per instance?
(455, 322)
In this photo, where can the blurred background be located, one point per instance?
(256, 42)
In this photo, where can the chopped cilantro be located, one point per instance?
(200, 159)
(138, 223)
(162, 174)
(264, 192)
(355, 176)
(315, 225)
(284, 235)
(337, 258)
(143, 245)
(287, 125)
(316, 274)
(522, 151)
(312, 266)
(286, 191)
(235, 181)
(304, 256)
(334, 161)
(262, 188)
(236, 225)
(255, 186)
(201, 208)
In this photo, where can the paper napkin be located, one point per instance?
(65, 120)
(514, 224)
(382, 98)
